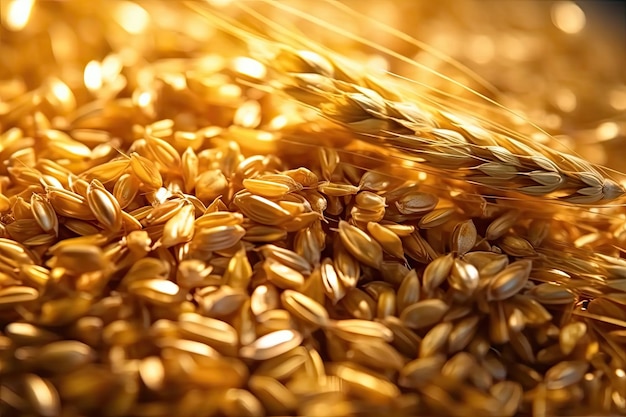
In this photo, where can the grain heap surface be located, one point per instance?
(203, 214)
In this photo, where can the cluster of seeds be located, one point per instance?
(185, 243)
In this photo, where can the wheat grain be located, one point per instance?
(498, 324)
(276, 398)
(459, 366)
(389, 241)
(44, 214)
(463, 237)
(360, 245)
(376, 288)
(215, 333)
(481, 379)
(509, 394)
(508, 282)
(23, 230)
(570, 335)
(273, 320)
(347, 267)
(421, 371)
(565, 374)
(548, 293)
(156, 291)
(42, 395)
(462, 334)
(435, 340)
(28, 334)
(386, 305)
(333, 286)
(64, 356)
(283, 366)
(272, 345)
(437, 217)
(424, 313)
(125, 190)
(359, 305)
(262, 210)
(145, 170)
(495, 367)
(464, 277)
(15, 295)
(355, 329)
(219, 373)
(281, 275)
(221, 301)
(516, 320)
(107, 172)
(79, 258)
(69, 204)
(304, 308)
(104, 206)
(379, 355)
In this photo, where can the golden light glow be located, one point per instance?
(377, 63)
(132, 17)
(250, 67)
(275, 338)
(445, 41)
(519, 118)
(539, 137)
(144, 99)
(42, 392)
(248, 114)
(18, 13)
(111, 67)
(482, 49)
(145, 77)
(219, 3)
(553, 121)
(166, 287)
(161, 195)
(196, 28)
(607, 131)
(62, 95)
(568, 17)
(63, 42)
(565, 100)
(177, 81)
(61, 91)
(617, 99)
(129, 56)
(266, 137)
(152, 372)
(93, 76)
(408, 163)
(618, 399)
(595, 154)
(229, 91)
(512, 47)
(278, 122)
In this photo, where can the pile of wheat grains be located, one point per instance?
(203, 213)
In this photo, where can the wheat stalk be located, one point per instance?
(408, 126)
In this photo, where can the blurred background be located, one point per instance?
(560, 64)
